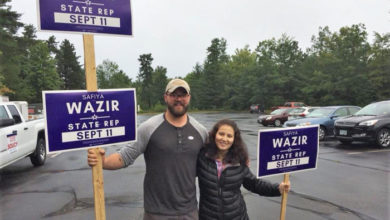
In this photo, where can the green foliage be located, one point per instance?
(8, 20)
(340, 60)
(340, 67)
(144, 92)
(239, 74)
(379, 67)
(68, 67)
(110, 76)
(52, 45)
(41, 72)
(159, 82)
(159, 107)
(194, 80)
(277, 71)
(9, 53)
(212, 77)
(120, 80)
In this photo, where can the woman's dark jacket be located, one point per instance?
(221, 198)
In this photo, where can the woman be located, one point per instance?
(222, 168)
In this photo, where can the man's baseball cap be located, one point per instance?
(176, 83)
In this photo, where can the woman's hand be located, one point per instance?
(92, 157)
(284, 187)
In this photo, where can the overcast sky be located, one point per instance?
(178, 32)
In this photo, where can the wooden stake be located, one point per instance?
(284, 199)
(97, 171)
(89, 62)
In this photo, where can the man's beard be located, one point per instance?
(175, 113)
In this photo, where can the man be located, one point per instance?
(170, 142)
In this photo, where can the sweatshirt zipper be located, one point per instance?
(220, 192)
(220, 189)
(220, 196)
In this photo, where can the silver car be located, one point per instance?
(300, 112)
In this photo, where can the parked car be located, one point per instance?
(276, 118)
(370, 124)
(255, 108)
(324, 117)
(300, 112)
(289, 105)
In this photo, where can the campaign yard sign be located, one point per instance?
(91, 16)
(286, 150)
(79, 119)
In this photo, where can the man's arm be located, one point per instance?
(129, 152)
(111, 162)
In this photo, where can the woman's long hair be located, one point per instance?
(237, 152)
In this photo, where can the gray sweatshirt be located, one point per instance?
(170, 156)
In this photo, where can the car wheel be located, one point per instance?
(321, 133)
(345, 141)
(39, 156)
(383, 138)
(277, 123)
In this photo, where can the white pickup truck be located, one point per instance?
(20, 138)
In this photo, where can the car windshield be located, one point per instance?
(379, 108)
(320, 112)
(288, 110)
(297, 110)
(278, 111)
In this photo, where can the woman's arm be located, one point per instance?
(260, 186)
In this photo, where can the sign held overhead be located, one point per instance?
(91, 16)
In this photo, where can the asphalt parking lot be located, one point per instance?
(351, 182)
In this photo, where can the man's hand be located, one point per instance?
(111, 162)
(92, 157)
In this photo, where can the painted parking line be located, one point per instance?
(53, 155)
(371, 151)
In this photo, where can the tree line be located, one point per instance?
(340, 67)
